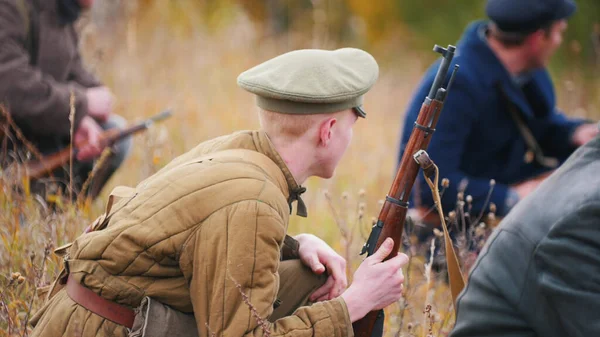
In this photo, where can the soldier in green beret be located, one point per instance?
(213, 222)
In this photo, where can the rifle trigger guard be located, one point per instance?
(369, 246)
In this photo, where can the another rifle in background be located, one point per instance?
(392, 216)
(36, 169)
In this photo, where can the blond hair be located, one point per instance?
(288, 126)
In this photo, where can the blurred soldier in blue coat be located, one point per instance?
(538, 274)
(500, 120)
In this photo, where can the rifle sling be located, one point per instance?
(532, 144)
(455, 276)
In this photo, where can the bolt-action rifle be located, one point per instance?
(36, 169)
(392, 216)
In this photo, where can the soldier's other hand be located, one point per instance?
(523, 189)
(584, 133)
(376, 284)
(319, 257)
(88, 139)
(100, 103)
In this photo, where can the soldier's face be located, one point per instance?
(547, 43)
(85, 4)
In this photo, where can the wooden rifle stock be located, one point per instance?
(46, 165)
(392, 216)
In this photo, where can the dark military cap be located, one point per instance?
(312, 81)
(524, 16)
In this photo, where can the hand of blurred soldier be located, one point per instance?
(376, 284)
(523, 189)
(584, 133)
(100, 103)
(319, 257)
(88, 139)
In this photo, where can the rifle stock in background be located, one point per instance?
(36, 169)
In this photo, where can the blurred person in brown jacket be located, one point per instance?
(40, 66)
(213, 223)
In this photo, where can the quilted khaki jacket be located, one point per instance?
(185, 237)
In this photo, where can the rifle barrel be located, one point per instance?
(447, 55)
(143, 125)
(161, 116)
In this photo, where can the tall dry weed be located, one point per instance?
(31, 226)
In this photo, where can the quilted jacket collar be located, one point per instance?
(265, 146)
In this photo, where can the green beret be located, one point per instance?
(312, 81)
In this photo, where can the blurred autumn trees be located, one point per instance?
(385, 24)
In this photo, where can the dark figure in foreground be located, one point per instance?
(40, 66)
(500, 120)
(538, 273)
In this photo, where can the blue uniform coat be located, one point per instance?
(476, 137)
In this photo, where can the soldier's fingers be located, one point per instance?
(323, 298)
(316, 266)
(79, 139)
(397, 261)
(338, 271)
(336, 291)
(384, 250)
(93, 139)
(84, 153)
(323, 290)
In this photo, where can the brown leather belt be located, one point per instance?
(95, 303)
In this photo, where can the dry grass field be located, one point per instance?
(152, 64)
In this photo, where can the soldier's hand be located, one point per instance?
(100, 103)
(584, 133)
(319, 257)
(376, 284)
(88, 139)
(525, 188)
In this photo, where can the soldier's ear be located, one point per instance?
(325, 132)
(537, 40)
